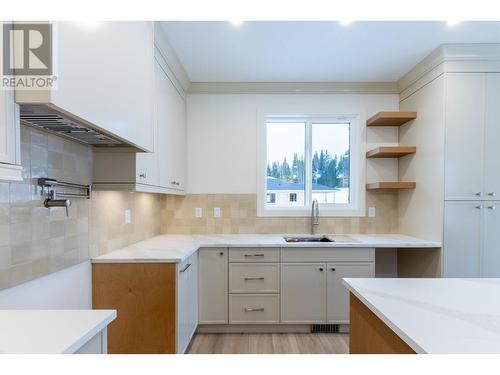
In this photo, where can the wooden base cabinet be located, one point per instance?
(156, 303)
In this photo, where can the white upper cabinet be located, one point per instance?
(104, 76)
(464, 136)
(492, 137)
(10, 169)
(170, 118)
(160, 171)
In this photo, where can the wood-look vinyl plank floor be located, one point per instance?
(269, 343)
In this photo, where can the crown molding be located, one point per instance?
(466, 57)
(293, 88)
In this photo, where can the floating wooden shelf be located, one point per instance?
(391, 118)
(391, 151)
(391, 185)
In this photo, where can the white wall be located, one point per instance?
(69, 288)
(222, 134)
(421, 209)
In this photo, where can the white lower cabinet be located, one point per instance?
(212, 285)
(462, 236)
(187, 301)
(490, 255)
(259, 285)
(303, 293)
(337, 296)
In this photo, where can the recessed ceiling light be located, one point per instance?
(453, 22)
(345, 22)
(236, 23)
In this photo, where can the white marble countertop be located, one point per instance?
(172, 248)
(436, 316)
(50, 331)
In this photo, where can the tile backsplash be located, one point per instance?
(35, 241)
(239, 215)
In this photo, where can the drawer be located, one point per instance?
(253, 308)
(327, 254)
(254, 278)
(254, 254)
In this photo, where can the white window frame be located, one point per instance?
(357, 189)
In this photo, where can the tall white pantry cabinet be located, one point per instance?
(472, 176)
(456, 92)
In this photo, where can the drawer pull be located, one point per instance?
(253, 278)
(333, 269)
(185, 268)
(320, 269)
(251, 309)
(221, 253)
(254, 255)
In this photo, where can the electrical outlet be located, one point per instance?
(371, 211)
(216, 211)
(198, 212)
(128, 216)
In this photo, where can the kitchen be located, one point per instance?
(273, 204)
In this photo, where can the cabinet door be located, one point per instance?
(170, 118)
(337, 298)
(462, 234)
(212, 286)
(464, 136)
(492, 136)
(490, 259)
(303, 297)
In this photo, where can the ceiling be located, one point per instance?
(293, 51)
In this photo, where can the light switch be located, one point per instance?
(216, 211)
(198, 212)
(371, 211)
(128, 217)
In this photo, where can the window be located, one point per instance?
(307, 159)
(270, 198)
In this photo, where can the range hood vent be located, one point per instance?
(51, 120)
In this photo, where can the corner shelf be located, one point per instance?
(391, 185)
(391, 151)
(391, 118)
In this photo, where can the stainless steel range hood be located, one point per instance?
(45, 117)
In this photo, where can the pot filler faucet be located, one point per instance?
(314, 215)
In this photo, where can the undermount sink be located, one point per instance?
(309, 239)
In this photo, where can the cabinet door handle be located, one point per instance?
(221, 253)
(254, 255)
(479, 194)
(333, 269)
(492, 194)
(320, 269)
(250, 309)
(491, 207)
(478, 206)
(253, 278)
(185, 268)
(142, 175)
